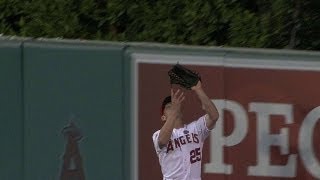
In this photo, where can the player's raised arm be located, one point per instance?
(207, 105)
(171, 115)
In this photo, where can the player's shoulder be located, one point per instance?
(199, 120)
(156, 133)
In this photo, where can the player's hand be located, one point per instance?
(177, 98)
(197, 87)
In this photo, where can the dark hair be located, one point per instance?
(166, 101)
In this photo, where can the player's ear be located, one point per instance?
(163, 118)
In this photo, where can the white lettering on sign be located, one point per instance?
(218, 141)
(265, 139)
(306, 149)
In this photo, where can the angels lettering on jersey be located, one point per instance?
(193, 133)
(182, 140)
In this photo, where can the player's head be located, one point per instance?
(165, 107)
(165, 101)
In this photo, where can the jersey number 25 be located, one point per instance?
(195, 155)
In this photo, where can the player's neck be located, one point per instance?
(179, 124)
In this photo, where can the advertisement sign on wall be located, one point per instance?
(269, 116)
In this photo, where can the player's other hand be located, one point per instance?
(177, 98)
(197, 87)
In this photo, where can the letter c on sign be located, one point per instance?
(306, 149)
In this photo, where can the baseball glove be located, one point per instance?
(184, 77)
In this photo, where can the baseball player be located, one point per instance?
(178, 145)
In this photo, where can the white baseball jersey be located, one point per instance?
(181, 158)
